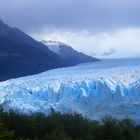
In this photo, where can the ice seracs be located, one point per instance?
(109, 87)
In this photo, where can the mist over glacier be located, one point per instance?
(109, 87)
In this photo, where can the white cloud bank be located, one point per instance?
(119, 44)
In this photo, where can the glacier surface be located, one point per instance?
(109, 87)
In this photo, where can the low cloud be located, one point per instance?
(121, 43)
(111, 51)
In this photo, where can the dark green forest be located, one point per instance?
(14, 126)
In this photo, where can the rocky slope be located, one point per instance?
(21, 55)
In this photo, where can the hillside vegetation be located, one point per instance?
(14, 126)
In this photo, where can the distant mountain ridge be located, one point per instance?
(67, 52)
(21, 55)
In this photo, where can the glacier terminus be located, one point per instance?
(95, 90)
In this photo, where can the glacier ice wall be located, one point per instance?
(91, 91)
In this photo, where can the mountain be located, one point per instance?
(21, 55)
(109, 87)
(66, 52)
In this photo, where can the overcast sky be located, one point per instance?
(102, 28)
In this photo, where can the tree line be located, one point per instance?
(57, 126)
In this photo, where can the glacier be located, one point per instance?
(95, 90)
